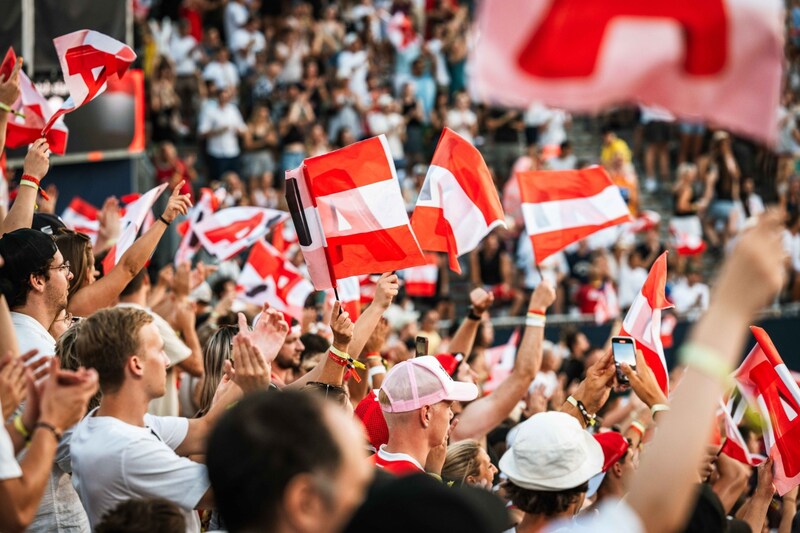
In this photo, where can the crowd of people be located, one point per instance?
(148, 397)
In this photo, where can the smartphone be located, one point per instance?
(421, 346)
(624, 350)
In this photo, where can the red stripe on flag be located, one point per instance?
(434, 233)
(552, 185)
(546, 244)
(466, 163)
(375, 252)
(359, 164)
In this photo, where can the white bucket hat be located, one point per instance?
(552, 452)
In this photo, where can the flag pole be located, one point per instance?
(336, 293)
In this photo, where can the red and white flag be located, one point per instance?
(607, 307)
(81, 216)
(269, 277)
(564, 206)
(88, 60)
(190, 242)
(686, 243)
(349, 290)
(646, 220)
(349, 214)
(229, 231)
(643, 321)
(766, 383)
(500, 362)
(458, 204)
(719, 60)
(36, 110)
(400, 32)
(132, 221)
(735, 446)
(421, 281)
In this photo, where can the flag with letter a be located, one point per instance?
(767, 383)
(349, 214)
(643, 321)
(564, 206)
(715, 60)
(88, 60)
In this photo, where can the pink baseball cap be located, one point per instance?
(422, 381)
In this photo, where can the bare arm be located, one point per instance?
(480, 416)
(106, 290)
(9, 92)
(37, 163)
(754, 512)
(683, 431)
(8, 337)
(464, 337)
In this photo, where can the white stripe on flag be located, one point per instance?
(379, 200)
(465, 218)
(557, 215)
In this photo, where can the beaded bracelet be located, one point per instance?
(588, 419)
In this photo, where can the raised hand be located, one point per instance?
(543, 297)
(178, 204)
(9, 87)
(342, 327)
(251, 370)
(13, 385)
(643, 381)
(269, 332)
(181, 280)
(594, 390)
(438, 454)
(108, 216)
(387, 287)
(481, 300)
(37, 160)
(378, 338)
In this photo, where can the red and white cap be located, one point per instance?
(422, 381)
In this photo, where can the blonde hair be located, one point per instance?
(461, 461)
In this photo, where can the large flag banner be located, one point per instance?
(229, 231)
(718, 60)
(349, 214)
(35, 110)
(81, 216)
(269, 277)
(135, 215)
(88, 60)
(458, 204)
(643, 321)
(190, 242)
(766, 383)
(564, 206)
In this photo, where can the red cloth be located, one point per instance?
(398, 468)
(165, 173)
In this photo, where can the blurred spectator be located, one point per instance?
(613, 146)
(221, 71)
(260, 142)
(413, 115)
(657, 129)
(246, 43)
(165, 105)
(222, 124)
(565, 160)
(461, 119)
(172, 170)
(236, 15)
(385, 120)
(690, 294)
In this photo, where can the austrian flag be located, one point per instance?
(229, 231)
(349, 214)
(564, 206)
(643, 321)
(458, 204)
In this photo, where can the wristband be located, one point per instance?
(657, 408)
(52, 429)
(342, 359)
(5, 107)
(535, 320)
(31, 181)
(706, 361)
(588, 419)
(474, 316)
(537, 312)
(638, 427)
(164, 220)
(373, 355)
(376, 371)
(21, 429)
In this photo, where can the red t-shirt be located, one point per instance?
(164, 175)
(587, 298)
(398, 464)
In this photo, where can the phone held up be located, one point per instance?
(421, 346)
(624, 350)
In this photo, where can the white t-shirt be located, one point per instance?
(611, 517)
(241, 39)
(225, 144)
(31, 335)
(223, 75)
(354, 66)
(113, 461)
(9, 467)
(461, 122)
(690, 297)
(182, 51)
(390, 124)
(235, 17)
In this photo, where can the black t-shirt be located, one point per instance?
(579, 265)
(505, 133)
